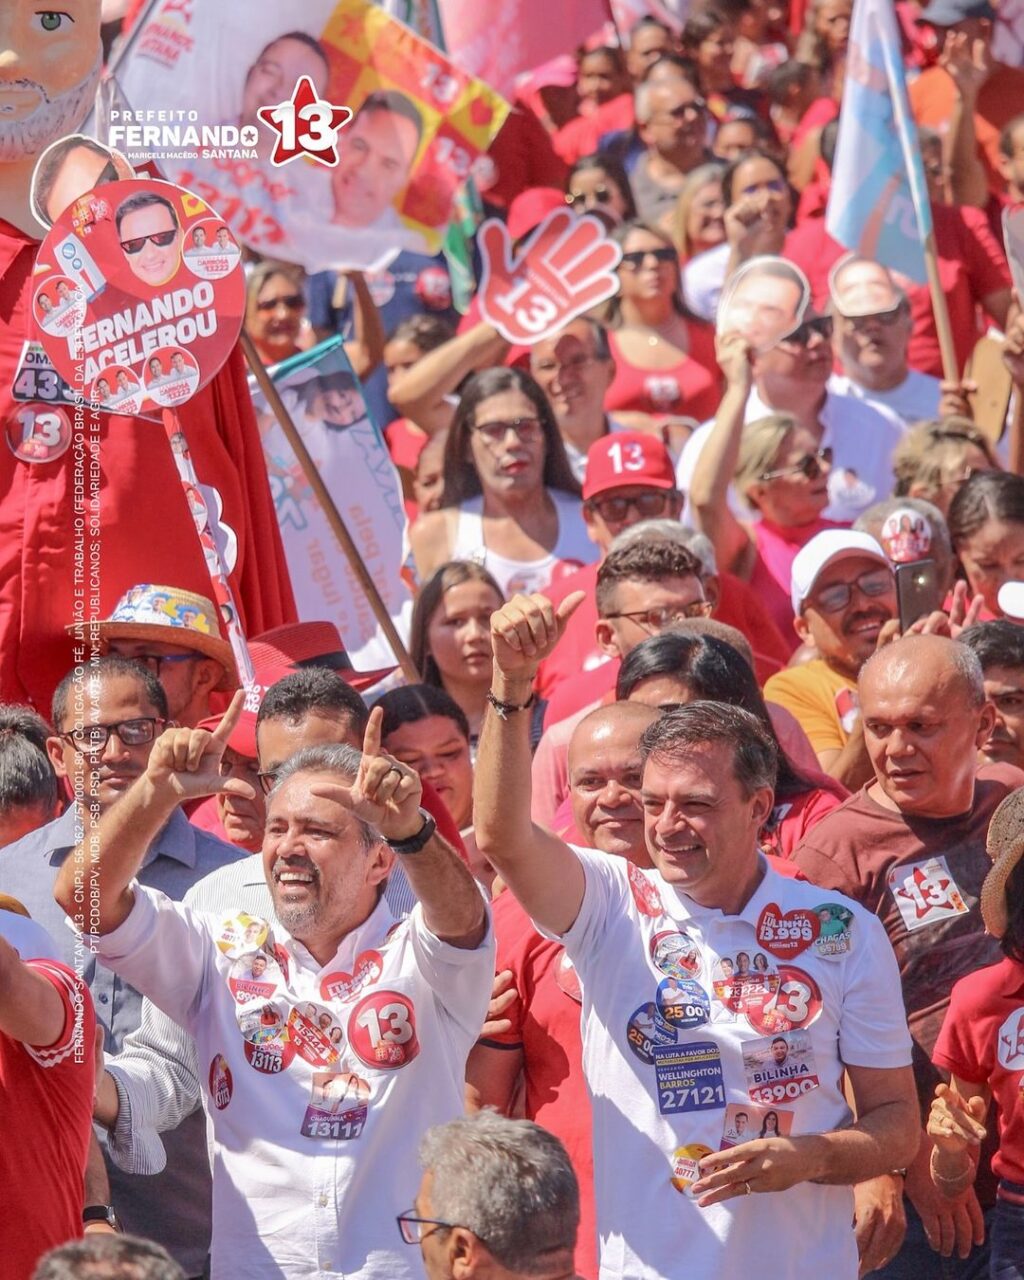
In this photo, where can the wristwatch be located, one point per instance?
(413, 844)
(101, 1213)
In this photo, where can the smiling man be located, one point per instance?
(150, 236)
(375, 156)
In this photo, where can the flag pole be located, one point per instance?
(951, 370)
(334, 519)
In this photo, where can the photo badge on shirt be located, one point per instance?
(926, 893)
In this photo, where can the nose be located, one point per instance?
(476, 627)
(900, 743)
(614, 795)
(114, 748)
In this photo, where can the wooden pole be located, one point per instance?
(950, 366)
(1015, 443)
(345, 540)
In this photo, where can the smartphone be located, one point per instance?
(917, 591)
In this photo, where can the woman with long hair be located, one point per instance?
(986, 525)
(698, 222)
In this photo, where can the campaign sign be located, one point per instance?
(689, 1077)
(133, 318)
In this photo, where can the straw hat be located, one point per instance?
(1005, 845)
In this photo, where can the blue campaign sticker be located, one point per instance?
(646, 1030)
(683, 1002)
(689, 1077)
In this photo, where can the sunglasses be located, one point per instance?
(600, 195)
(777, 186)
(885, 318)
(695, 108)
(138, 243)
(293, 301)
(811, 466)
(648, 506)
(801, 336)
(522, 428)
(635, 258)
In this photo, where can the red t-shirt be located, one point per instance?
(46, 1123)
(581, 136)
(982, 1040)
(524, 157)
(689, 389)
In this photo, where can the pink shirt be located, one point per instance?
(776, 550)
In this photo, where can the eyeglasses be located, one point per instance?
(495, 432)
(600, 195)
(647, 505)
(811, 466)
(885, 318)
(155, 662)
(654, 620)
(293, 301)
(267, 779)
(801, 336)
(636, 258)
(576, 365)
(696, 107)
(875, 582)
(411, 1227)
(138, 243)
(92, 739)
(777, 186)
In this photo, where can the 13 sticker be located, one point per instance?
(382, 1030)
(796, 1003)
(926, 893)
(786, 934)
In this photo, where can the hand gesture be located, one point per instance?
(956, 1124)
(526, 629)
(566, 267)
(954, 398)
(966, 59)
(765, 1164)
(732, 351)
(385, 793)
(187, 762)
(748, 219)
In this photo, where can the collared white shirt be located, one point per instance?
(318, 1081)
(915, 399)
(676, 1049)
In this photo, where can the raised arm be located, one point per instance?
(437, 374)
(31, 1009)
(541, 870)
(366, 348)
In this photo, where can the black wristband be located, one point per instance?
(505, 709)
(100, 1213)
(413, 844)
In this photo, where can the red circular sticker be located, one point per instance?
(38, 432)
(271, 1058)
(567, 978)
(786, 934)
(345, 986)
(317, 1035)
(796, 1002)
(382, 1030)
(122, 290)
(221, 1084)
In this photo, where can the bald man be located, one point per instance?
(910, 846)
(544, 1042)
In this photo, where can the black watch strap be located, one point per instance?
(101, 1213)
(415, 843)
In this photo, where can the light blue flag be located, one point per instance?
(878, 202)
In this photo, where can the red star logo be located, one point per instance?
(305, 125)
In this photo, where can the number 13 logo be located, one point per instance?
(382, 1030)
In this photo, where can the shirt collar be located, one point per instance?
(368, 935)
(682, 907)
(13, 241)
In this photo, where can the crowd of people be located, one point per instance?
(672, 923)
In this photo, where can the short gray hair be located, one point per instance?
(108, 1257)
(669, 531)
(334, 757)
(755, 752)
(510, 1182)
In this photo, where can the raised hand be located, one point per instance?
(955, 1123)
(186, 762)
(967, 61)
(732, 351)
(526, 629)
(566, 267)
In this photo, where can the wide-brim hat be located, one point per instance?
(311, 644)
(169, 615)
(1005, 846)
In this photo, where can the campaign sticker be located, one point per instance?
(382, 1030)
(221, 1084)
(171, 376)
(38, 433)
(926, 893)
(342, 986)
(211, 251)
(795, 1003)
(254, 977)
(747, 1123)
(59, 306)
(337, 1105)
(686, 1165)
(262, 1023)
(645, 895)
(906, 536)
(749, 976)
(271, 1058)
(847, 709)
(318, 1036)
(645, 1030)
(786, 934)
(835, 925)
(1010, 1044)
(683, 1003)
(240, 934)
(568, 979)
(779, 1068)
(117, 390)
(675, 954)
(689, 1077)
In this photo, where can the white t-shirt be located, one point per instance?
(318, 1082)
(916, 398)
(703, 278)
(674, 1049)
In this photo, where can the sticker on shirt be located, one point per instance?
(686, 1165)
(221, 1084)
(835, 926)
(346, 986)
(926, 893)
(1010, 1045)
(337, 1105)
(264, 1027)
(645, 895)
(646, 1030)
(568, 979)
(786, 933)
(39, 433)
(779, 1068)
(689, 1077)
(255, 976)
(796, 1003)
(318, 1036)
(683, 1003)
(241, 934)
(847, 709)
(747, 976)
(382, 1030)
(746, 1123)
(675, 954)
(906, 535)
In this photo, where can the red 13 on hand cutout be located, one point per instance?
(565, 268)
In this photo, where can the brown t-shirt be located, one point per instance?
(922, 877)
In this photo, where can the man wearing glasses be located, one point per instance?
(106, 719)
(672, 124)
(150, 236)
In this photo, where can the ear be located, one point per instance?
(802, 629)
(762, 803)
(467, 1256)
(986, 724)
(588, 521)
(604, 634)
(55, 750)
(712, 589)
(208, 674)
(381, 861)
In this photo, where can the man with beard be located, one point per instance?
(999, 646)
(336, 820)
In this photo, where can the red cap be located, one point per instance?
(243, 735)
(314, 644)
(625, 458)
(529, 209)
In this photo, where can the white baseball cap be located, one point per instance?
(826, 548)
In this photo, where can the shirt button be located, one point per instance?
(322, 1202)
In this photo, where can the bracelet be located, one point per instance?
(505, 709)
(966, 1176)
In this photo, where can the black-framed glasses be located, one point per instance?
(293, 301)
(156, 662)
(885, 318)
(410, 1227)
(802, 334)
(138, 243)
(657, 619)
(872, 583)
(495, 432)
(600, 195)
(648, 506)
(810, 466)
(91, 739)
(267, 779)
(635, 259)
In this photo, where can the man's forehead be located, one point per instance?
(618, 747)
(845, 570)
(663, 591)
(1001, 679)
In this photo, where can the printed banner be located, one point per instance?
(419, 123)
(1013, 239)
(325, 401)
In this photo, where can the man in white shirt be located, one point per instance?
(670, 1199)
(297, 1187)
(871, 337)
